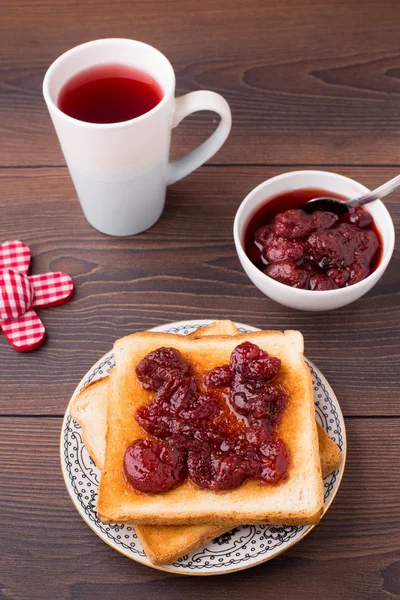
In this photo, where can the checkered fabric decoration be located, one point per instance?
(20, 294)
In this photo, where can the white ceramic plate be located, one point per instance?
(241, 548)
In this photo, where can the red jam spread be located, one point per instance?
(153, 467)
(319, 251)
(217, 428)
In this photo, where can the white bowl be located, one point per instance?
(331, 182)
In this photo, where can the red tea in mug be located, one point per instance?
(109, 93)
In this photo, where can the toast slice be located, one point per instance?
(223, 327)
(298, 500)
(89, 409)
(329, 453)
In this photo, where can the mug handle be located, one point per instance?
(186, 105)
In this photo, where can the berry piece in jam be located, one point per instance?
(264, 235)
(156, 368)
(216, 470)
(266, 402)
(205, 407)
(152, 421)
(274, 463)
(166, 417)
(257, 435)
(278, 403)
(339, 276)
(321, 282)
(357, 272)
(323, 220)
(333, 248)
(281, 249)
(288, 273)
(243, 355)
(219, 377)
(263, 368)
(368, 245)
(229, 471)
(177, 393)
(360, 217)
(158, 417)
(152, 467)
(292, 225)
(252, 363)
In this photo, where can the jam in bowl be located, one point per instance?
(290, 255)
(319, 251)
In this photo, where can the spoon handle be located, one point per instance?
(380, 192)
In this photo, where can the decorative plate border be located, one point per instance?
(246, 546)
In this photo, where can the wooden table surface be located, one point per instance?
(311, 84)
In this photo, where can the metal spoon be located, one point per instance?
(339, 207)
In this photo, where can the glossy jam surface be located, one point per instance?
(153, 467)
(217, 428)
(318, 252)
(109, 93)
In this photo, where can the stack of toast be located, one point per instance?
(174, 523)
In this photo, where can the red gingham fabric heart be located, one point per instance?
(20, 293)
(15, 255)
(51, 288)
(25, 333)
(16, 294)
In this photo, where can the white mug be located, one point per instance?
(121, 170)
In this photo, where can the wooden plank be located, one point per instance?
(48, 551)
(313, 82)
(183, 268)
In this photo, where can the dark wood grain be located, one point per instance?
(309, 82)
(185, 267)
(353, 553)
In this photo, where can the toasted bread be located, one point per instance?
(224, 327)
(297, 500)
(329, 453)
(89, 409)
(164, 544)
